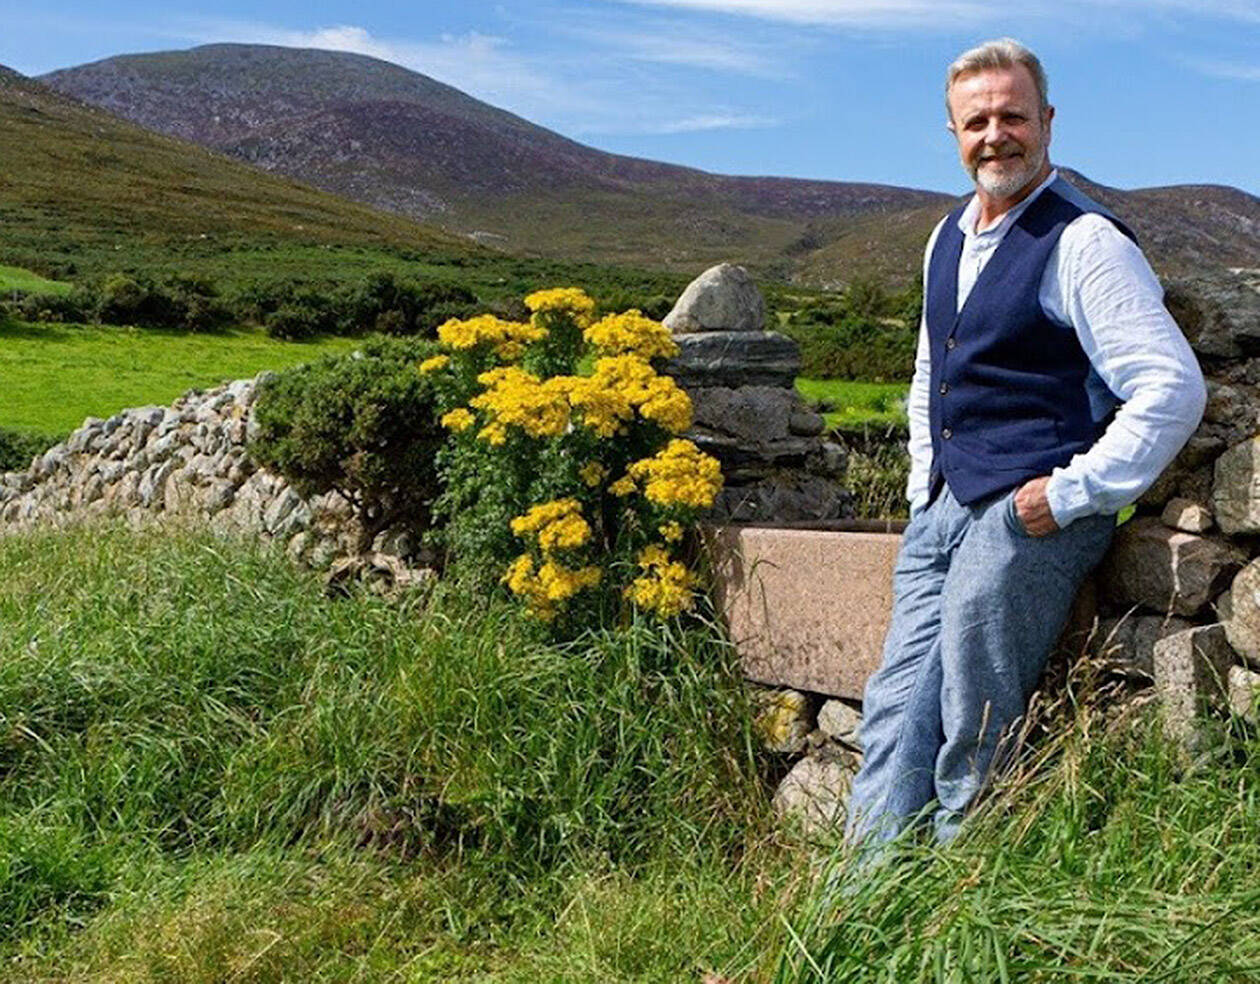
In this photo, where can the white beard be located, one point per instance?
(1006, 184)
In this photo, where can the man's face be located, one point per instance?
(1002, 134)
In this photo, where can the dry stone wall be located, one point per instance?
(187, 460)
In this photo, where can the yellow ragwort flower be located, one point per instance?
(486, 329)
(679, 475)
(665, 587)
(557, 525)
(671, 531)
(459, 419)
(631, 333)
(592, 473)
(435, 363)
(623, 486)
(572, 301)
(517, 398)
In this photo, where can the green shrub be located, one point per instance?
(297, 322)
(77, 306)
(181, 301)
(363, 425)
(17, 448)
(865, 333)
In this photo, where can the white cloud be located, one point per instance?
(673, 45)
(1225, 69)
(943, 13)
(483, 65)
(686, 124)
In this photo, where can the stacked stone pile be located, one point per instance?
(186, 460)
(777, 463)
(1180, 588)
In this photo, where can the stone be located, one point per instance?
(1166, 570)
(749, 414)
(1191, 674)
(1243, 688)
(1239, 612)
(723, 298)
(735, 358)
(1128, 643)
(785, 497)
(1191, 517)
(841, 721)
(1236, 488)
(806, 424)
(815, 793)
(218, 497)
(783, 719)
(805, 609)
(1218, 311)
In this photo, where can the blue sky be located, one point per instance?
(1148, 92)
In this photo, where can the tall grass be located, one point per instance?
(191, 734)
(1105, 857)
(210, 772)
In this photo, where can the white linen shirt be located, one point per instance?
(1099, 283)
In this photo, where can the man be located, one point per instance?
(1051, 388)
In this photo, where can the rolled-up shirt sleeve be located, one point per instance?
(1111, 297)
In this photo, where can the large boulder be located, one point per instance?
(723, 298)
(1128, 643)
(751, 414)
(1219, 312)
(1167, 570)
(1236, 488)
(735, 358)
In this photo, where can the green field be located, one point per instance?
(55, 375)
(16, 279)
(856, 402)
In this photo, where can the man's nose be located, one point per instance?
(995, 132)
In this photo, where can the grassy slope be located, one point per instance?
(55, 375)
(211, 772)
(80, 184)
(16, 279)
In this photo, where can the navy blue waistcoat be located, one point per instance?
(1008, 400)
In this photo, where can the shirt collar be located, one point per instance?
(967, 221)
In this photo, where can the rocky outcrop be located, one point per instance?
(777, 463)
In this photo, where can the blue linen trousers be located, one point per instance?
(978, 604)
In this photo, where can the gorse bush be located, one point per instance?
(363, 425)
(569, 484)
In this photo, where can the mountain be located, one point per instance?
(400, 141)
(79, 182)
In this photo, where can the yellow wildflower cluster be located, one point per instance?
(679, 475)
(516, 397)
(459, 419)
(557, 525)
(631, 333)
(549, 586)
(572, 301)
(435, 363)
(507, 338)
(592, 473)
(604, 401)
(622, 384)
(666, 585)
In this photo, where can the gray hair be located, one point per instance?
(1002, 53)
